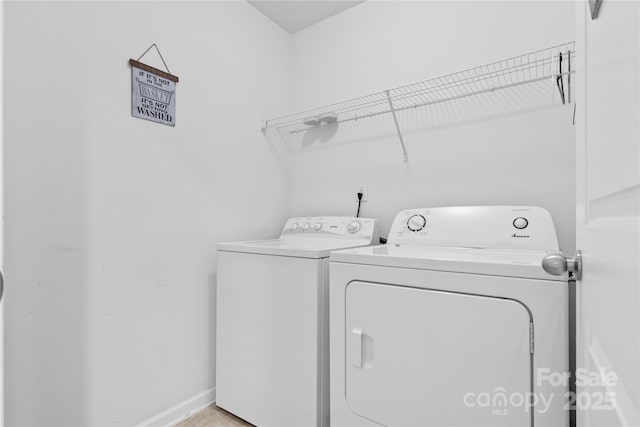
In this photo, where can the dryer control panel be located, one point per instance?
(496, 227)
(331, 226)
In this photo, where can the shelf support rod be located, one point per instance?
(569, 76)
(395, 120)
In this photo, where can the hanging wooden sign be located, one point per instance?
(153, 92)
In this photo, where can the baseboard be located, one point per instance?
(181, 411)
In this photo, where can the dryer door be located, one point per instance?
(419, 357)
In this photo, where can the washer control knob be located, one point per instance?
(520, 223)
(353, 226)
(416, 223)
(306, 226)
(317, 226)
(295, 226)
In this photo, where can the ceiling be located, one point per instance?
(294, 15)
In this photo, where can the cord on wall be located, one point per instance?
(359, 203)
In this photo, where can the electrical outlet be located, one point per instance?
(361, 187)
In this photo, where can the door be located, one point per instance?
(418, 357)
(607, 214)
(1, 224)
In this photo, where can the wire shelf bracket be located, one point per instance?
(395, 120)
(553, 63)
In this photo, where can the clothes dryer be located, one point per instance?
(453, 323)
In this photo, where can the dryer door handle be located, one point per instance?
(355, 347)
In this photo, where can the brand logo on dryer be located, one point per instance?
(520, 236)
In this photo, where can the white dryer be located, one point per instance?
(452, 323)
(272, 321)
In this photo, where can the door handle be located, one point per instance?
(355, 347)
(557, 264)
(1, 285)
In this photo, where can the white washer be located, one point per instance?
(452, 323)
(272, 321)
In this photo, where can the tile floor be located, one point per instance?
(212, 416)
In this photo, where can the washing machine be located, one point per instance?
(453, 323)
(272, 321)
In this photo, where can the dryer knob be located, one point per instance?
(295, 226)
(520, 223)
(416, 223)
(306, 226)
(353, 226)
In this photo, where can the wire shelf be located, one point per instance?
(550, 63)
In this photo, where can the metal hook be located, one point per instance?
(559, 79)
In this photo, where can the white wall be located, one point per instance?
(510, 147)
(112, 221)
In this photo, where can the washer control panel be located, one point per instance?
(330, 226)
(506, 227)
